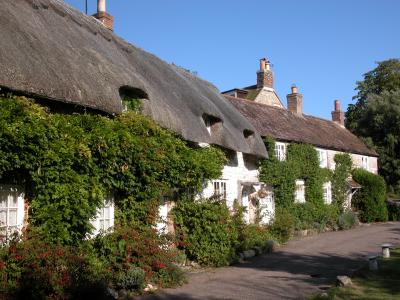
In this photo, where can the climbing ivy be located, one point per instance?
(68, 163)
(343, 165)
(302, 163)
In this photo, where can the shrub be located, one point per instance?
(170, 276)
(253, 236)
(317, 216)
(370, 200)
(347, 220)
(130, 279)
(283, 226)
(130, 253)
(206, 231)
(35, 269)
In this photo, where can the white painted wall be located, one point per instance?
(237, 176)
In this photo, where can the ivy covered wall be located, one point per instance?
(68, 163)
(302, 163)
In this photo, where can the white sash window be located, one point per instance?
(105, 216)
(11, 210)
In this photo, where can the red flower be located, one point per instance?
(18, 257)
(2, 265)
(44, 255)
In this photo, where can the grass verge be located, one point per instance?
(383, 284)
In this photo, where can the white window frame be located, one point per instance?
(365, 162)
(300, 191)
(11, 194)
(322, 157)
(280, 151)
(219, 188)
(327, 192)
(99, 222)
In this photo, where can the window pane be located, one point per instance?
(106, 224)
(3, 218)
(101, 224)
(13, 200)
(107, 212)
(12, 217)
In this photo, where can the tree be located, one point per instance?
(376, 117)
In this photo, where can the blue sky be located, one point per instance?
(323, 47)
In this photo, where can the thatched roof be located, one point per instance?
(286, 126)
(53, 51)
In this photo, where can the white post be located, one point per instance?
(386, 250)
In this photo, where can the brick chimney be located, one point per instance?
(295, 101)
(103, 16)
(265, 77)
(337, 114)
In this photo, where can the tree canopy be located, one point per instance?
(376, 117)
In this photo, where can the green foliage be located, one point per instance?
(370, 200)
(132, 104)
(375, 117)
(206, 231)
(342, 172)
(393, 210)
(69, 163)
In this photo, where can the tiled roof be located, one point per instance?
(285, 125)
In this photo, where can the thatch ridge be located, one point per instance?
(53, 51)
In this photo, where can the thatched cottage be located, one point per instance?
(261, 105)
(70, 61)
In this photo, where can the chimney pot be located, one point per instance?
(101, 6)
(265, 77)
(263, 64)
(337, 105)
(337, 115)
(294, 89)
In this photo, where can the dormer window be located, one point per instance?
(131, 98)
(248, 133)
(280, 151)
(212, 123)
